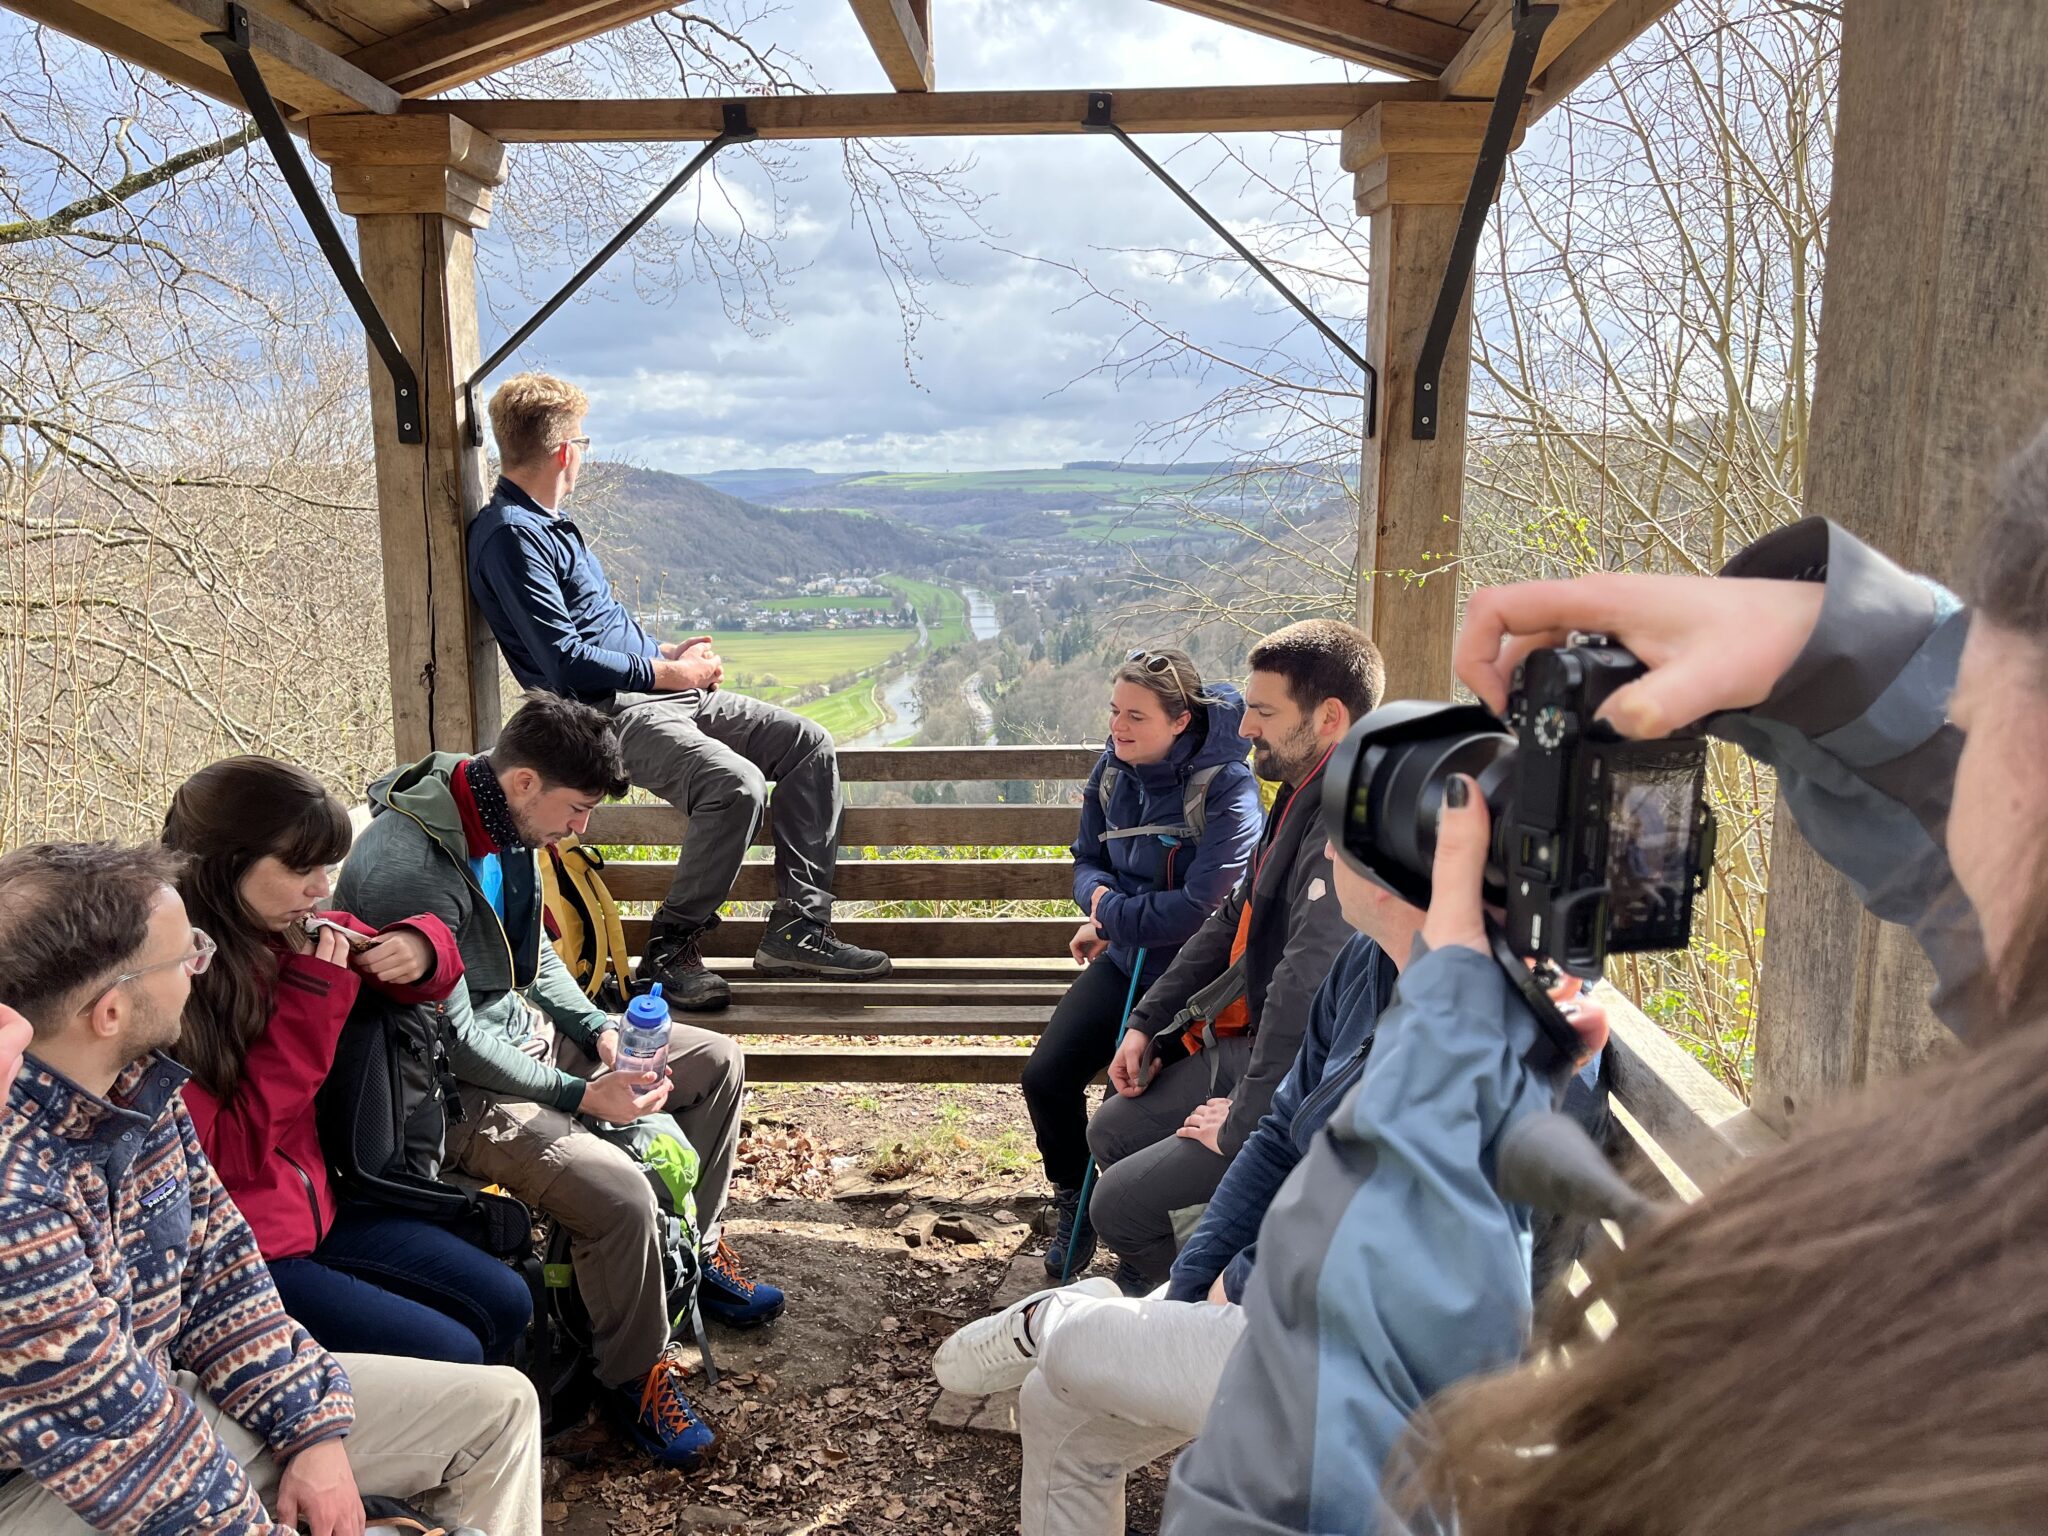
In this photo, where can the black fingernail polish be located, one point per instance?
(1455, 793)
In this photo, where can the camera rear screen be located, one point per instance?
(1649, 848)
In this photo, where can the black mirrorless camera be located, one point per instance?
(1599, 844)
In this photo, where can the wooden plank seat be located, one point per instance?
(962, 983)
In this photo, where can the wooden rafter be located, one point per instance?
(1615, 28)
(1180, 109)
(465, 46)
(1476, 71)
(1358, 30)
(165, 35)
(900, 32)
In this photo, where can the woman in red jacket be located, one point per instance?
(259, 1037)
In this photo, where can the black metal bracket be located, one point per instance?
(1530, 22)
(1101, 118)
(233, 46)
(737, 131)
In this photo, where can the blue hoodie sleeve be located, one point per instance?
(1091, 858)
(1160, 919)
(520, 575)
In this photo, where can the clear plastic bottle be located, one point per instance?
(643, 1036)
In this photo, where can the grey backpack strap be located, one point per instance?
(1194, 808)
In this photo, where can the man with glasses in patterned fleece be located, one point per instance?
(150, 1380)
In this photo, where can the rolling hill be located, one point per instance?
(662, 534)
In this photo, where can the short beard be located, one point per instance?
(149, 1029)
(1286, 762)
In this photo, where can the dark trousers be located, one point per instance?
(1151, 1185)
(381, 1284)
(712, 757)
(1078, 1042)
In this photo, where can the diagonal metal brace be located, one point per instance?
(1101, 118)
(233, 46)
(737, 131)
(1530, 22)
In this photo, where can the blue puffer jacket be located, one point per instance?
(1158, 896)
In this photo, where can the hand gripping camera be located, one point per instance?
(1599, 844)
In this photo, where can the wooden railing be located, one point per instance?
(998, 977)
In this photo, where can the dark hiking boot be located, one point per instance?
(1071, 1229)
(1129, 1281)
(671, 958)
(802, 946)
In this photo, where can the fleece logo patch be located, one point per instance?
(1316, 889)
(157, 1196)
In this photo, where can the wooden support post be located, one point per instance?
(1933, 367)
(419, 188)
(1412, 163)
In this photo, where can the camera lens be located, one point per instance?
(1385, 782)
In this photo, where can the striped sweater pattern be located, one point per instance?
(122, 1259)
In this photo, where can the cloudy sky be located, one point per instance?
(1000, 377)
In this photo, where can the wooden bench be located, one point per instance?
(976, 974)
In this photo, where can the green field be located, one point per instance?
(943, 609)
(818, 602)
(848, 712)
(808, 656)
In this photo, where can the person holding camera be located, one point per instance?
(459, 837)
(1213, 1037)
(1846, 1334)
(150, 1378)
(709, 752)
(1168, 820)
(258, 1037)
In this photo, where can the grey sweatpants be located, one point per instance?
(712, 757)
(1151, 1185)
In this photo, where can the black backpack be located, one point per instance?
(383, 1115)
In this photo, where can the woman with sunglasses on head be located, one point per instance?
(1168, 821)
(259, 1037)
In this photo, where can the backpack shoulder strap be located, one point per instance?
(1194, 800)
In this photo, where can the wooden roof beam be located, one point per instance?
(1613, 30)
(464, 46)
(1363, 32)
(1475, 72)
(900, 32)
(165, 36)
(931, 114)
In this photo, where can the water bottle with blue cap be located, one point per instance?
(643, 1037)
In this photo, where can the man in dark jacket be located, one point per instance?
(1212, 1039)
(150, 1380)
(709, 752)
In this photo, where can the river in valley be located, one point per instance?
(899, 693)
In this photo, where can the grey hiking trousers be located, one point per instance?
(712, 757)
(1150, 1185)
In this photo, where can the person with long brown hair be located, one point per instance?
(1849, 1335)
(258, 1035)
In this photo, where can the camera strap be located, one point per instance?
(1557, 1046)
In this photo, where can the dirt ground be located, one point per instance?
(823, 1414)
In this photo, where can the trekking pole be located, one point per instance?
(1088, 1177)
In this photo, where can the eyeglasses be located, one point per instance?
(580, 442)
(1151, 661)
(195, 961)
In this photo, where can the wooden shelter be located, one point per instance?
(1933, 365)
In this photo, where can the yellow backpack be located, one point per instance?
(583, 921)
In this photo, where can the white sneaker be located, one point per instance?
(994, 1353)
